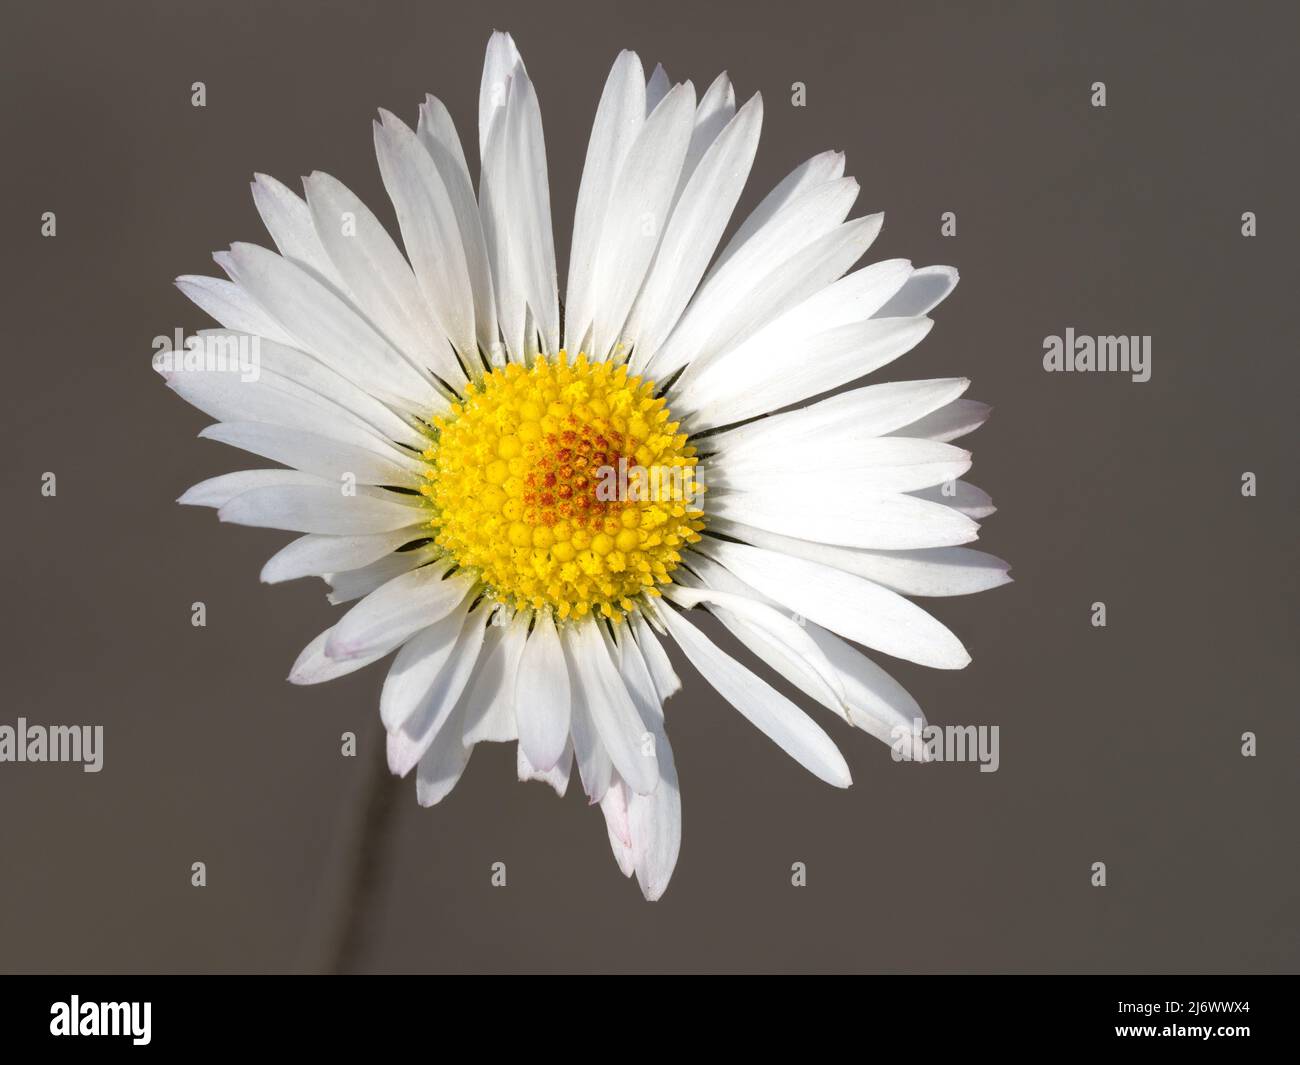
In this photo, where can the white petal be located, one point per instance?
(417, 665)
(595, 769)
(872, 699)
(619, 118)
(514, 201)
(313, 555)
(397, 610)
(654, 820)
(557, 777)
(378, 276)
(315, 667)
(767, 709)
(656, 88)
(962, 497)
(858, 519)
(491, 694)
(431, 235)
(924, 291)
(851, 299)
(232, 306)
(765, 295)
(437, 133)
(498, 65)
(613, 805)
(826, 361)
(725, 293)
(274, 400)
(819, 170)
(288, 220)
(656, 825)
(716, 108)
(836, 466)
(505, 258)
(636, 676)
(617, 723)
(778, 657)
(696, 225)
(855, 608)
(958, 418)
(444, 763)
(317, 377)
(530, 186)
(329, 328)
(542, 695)
(622, 850)
(639, 204)
(321, 509)
(431, 717)
(877, 703)
(847, 418)
(775, 637)
(666, 681)
(218, 491)
(351, 584)
(762, 618)
(329, 459)
(939, 571)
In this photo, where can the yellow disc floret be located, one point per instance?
(564, 485)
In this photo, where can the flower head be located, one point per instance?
(525, 500)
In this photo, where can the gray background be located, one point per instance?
(1120, 744)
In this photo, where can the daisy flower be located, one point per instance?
(526, 499)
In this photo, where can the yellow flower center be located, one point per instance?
(565, 485)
